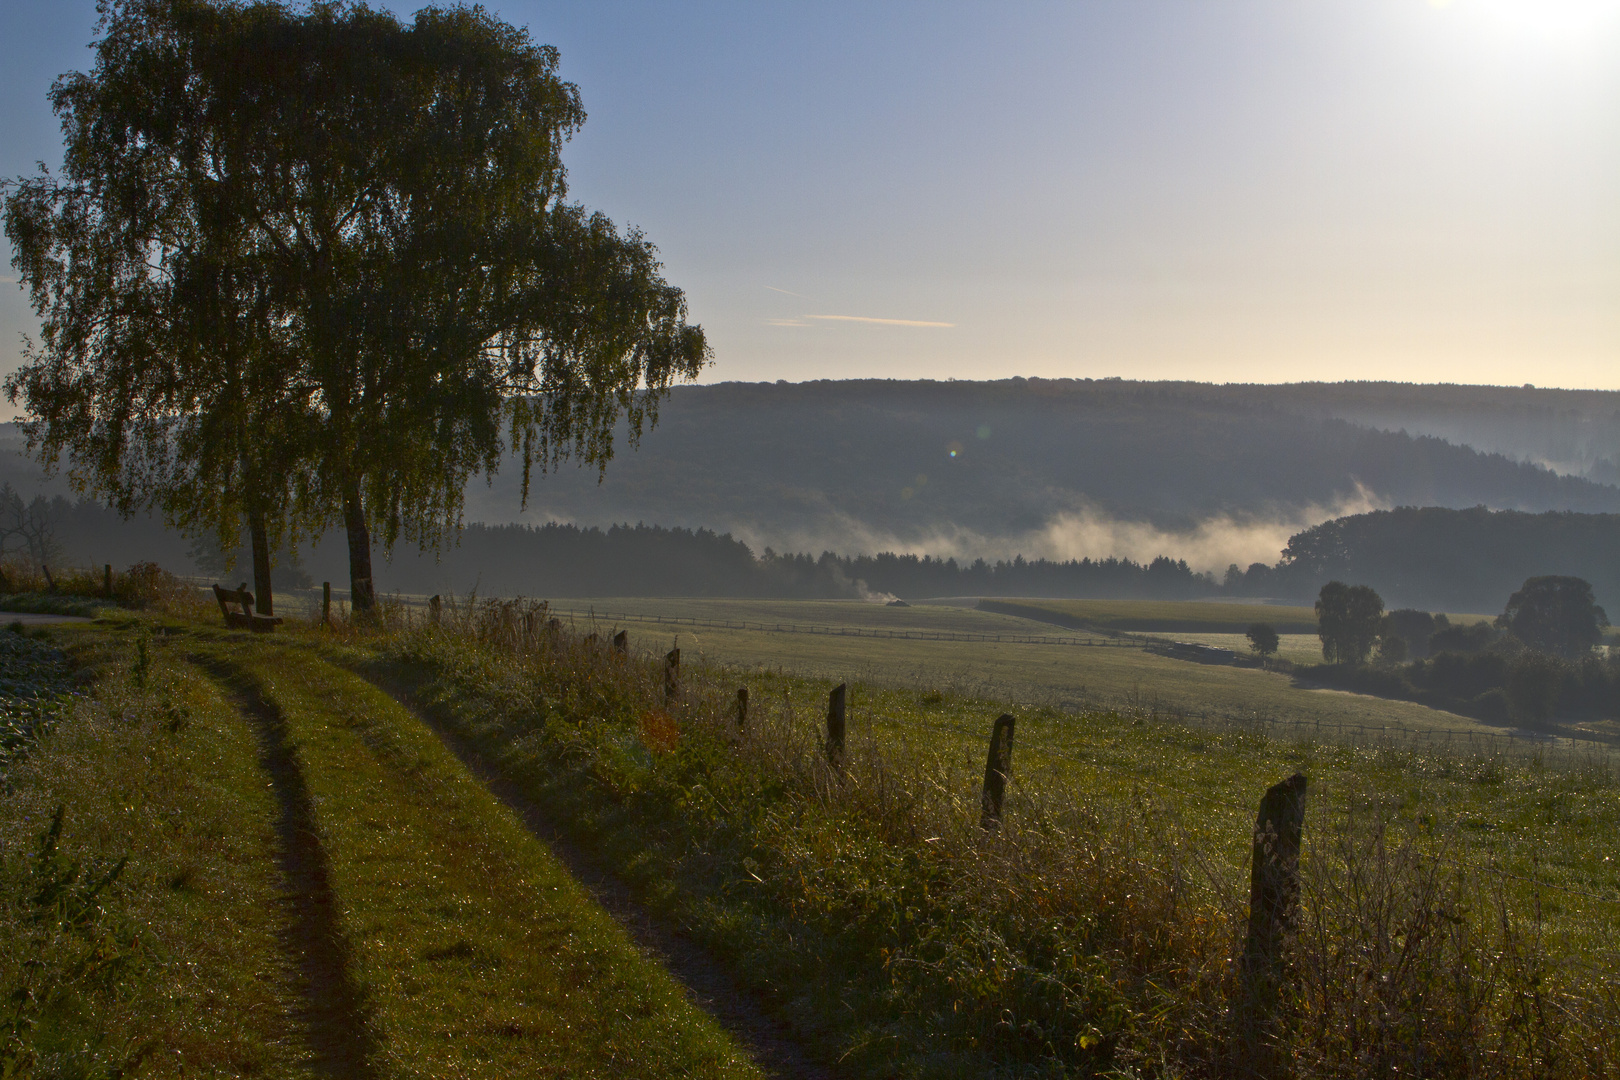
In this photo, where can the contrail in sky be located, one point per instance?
(883, 322)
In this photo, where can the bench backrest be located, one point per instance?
(240, 597)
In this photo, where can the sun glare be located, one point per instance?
(1553, 22)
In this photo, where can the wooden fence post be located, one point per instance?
(50, 582)
(996, 768)
(621, 642)
(835, 723)
(672, 676)
(326, 603)
(106, 580)
(435, 608)
(742, 708)
(1273, 908)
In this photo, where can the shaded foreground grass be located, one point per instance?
(476, 952)
(1094, 932)
(163, 927)
(171, 965)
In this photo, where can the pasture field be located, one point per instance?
(1295, 648)
(1073, 677)
(1162, 616)
(949, 618)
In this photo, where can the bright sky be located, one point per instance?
(1225, 190)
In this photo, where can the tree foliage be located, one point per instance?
(1555, 614)
(1349, 620)
(1263, 639)
(358, 230)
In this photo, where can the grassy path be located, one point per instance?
(470, 949)
(710, 984)
(332, 1012)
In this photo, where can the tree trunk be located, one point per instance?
(361, 595)
(264, 600)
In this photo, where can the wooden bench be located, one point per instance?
(243, 619)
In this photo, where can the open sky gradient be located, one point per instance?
(1225, 190)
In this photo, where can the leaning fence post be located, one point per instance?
(835, 723)
(326, 602)
(106, 580)
(621, 641)
(742, 708)
(435, 608)
(1273, 902)
(996, 768)
(672, 676)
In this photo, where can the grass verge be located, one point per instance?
(1094, 932)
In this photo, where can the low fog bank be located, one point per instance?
(1207, 546)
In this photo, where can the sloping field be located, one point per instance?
(812, 613)
(1159, 616)
(1027, 665)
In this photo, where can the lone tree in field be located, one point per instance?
(1557, 615)
(429, 299)
(1349, 619)
(1263, 639)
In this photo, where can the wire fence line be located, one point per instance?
(1242, 810)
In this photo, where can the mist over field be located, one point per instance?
(1065, 469)
(1208, 545)
(1040, 469)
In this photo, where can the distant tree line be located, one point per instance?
(650, 560)
(1534, 662)
(1424, 560)
(1439, 559)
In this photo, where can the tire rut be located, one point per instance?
(334, 1013)
(768, 1042)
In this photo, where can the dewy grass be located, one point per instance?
(138, 896)
(475, 952)
(1095, 931)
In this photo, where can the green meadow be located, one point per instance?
(1114, 673)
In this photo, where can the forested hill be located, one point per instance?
(981, 466)
(1055, 471)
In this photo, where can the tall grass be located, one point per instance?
(27, 586)
(1092, 933)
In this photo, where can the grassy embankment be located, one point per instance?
(1458, 915)
(309, 882)
(1064, 676)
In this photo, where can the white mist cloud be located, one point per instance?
(1212, 544)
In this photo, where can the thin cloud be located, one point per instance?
(784, 292)
(880, 322)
